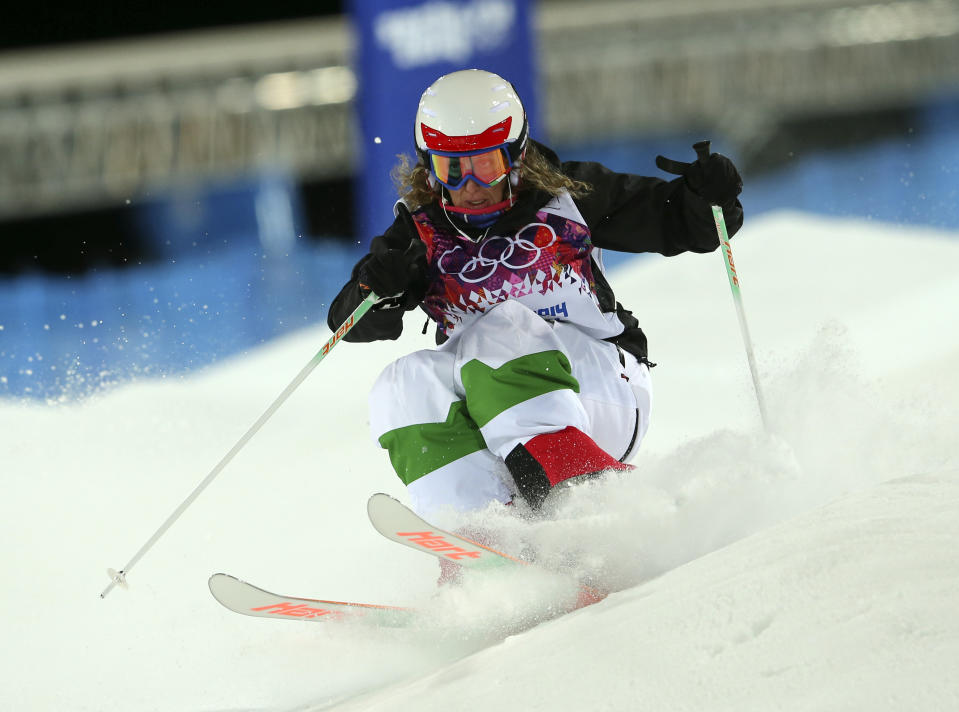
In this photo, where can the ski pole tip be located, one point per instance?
(117, 578)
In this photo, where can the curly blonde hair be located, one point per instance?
(536, 173)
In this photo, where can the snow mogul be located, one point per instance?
(539, 376)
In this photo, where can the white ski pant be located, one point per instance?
(449, 416)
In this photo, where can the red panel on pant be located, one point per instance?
(571, 453)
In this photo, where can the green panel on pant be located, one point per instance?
(490, 391)
(417, 450)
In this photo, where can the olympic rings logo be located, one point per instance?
(519, 253)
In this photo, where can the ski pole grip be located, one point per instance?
(702, 151)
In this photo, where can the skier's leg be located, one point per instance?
(548, 400)
(615, 389)
(523, 394)
(434, 445)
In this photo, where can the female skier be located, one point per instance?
(540, 376)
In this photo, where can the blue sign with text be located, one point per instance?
(404, 46)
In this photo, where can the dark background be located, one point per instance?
(56, 24)
(112, 238)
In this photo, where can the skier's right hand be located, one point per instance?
(391, 273)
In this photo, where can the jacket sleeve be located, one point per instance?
(382, 321)
(632, 213)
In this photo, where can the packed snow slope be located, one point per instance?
(815, 569)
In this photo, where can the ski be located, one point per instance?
(396, 522)
(399, 523)
(242, 597)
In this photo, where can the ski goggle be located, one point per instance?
(486, 167)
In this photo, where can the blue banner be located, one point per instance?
(404, 46)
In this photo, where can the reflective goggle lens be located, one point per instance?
(486, 168)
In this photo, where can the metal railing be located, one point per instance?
(101, 124)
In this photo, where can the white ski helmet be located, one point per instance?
(471, 110)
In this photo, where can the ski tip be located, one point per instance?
(379, 500)
(217, 581)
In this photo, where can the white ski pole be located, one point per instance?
(119, 577)
(702, 153)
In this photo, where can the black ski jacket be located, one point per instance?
(624, 212)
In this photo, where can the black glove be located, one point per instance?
(390, 272)
(712, 176)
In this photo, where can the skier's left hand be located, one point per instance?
(713, 177)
